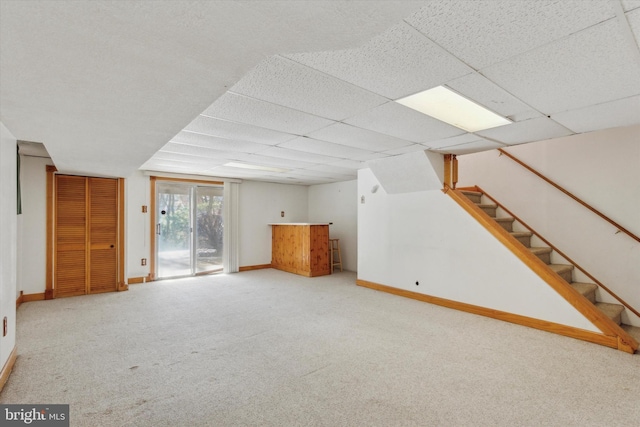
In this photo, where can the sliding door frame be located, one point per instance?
(153, 217)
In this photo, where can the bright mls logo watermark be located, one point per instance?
(34, 415)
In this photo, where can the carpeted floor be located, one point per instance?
(268, 348)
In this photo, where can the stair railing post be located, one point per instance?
(447, 172)
(454, 170)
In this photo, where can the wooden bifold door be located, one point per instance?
(85, 235)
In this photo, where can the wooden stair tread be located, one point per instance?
(540, 250)
(521, 233)
(505, 219)
(612, 311)
(471, 193)
(559, 268)
(587, 290)
(487, 205)
(607, 308)
(584, 288)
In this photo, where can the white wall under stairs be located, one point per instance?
(603, 169)
(426, 237)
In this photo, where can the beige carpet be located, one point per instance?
(267, 348)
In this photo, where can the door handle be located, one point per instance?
(158, 229)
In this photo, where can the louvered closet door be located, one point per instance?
(103, 235)
(71, 236)
(86, 227)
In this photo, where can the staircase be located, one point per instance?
(588, 290)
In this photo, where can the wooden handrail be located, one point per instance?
(562, 254)
(558, 187)
(590, 311)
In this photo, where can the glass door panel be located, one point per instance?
(189, 229)
(209, 229)
(173, 230)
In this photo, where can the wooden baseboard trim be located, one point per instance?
(136, 280)
(33, 297)
(254, 267)
(568, 331)
(8, 367)
(20, 299)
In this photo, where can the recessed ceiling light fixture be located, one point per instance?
(254, 167)
(450, 107)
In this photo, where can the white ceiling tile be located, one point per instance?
(322, 174)
(193, 150)
(633, 18)
(331, 168)
(229, 171)
(351, 164)
(284, 82)
(472, 147)
(158, 163)
(408, 149)
(251, 111)
(236, 131)
(290, 180)
(525, 115)
(216, 143)
(257, 159)
(397, 63)
(175, 168)
(622, 112)
(630, 4)
(366, 156)
(354, 136)
(327, 148)
(591, 67)
(162, 156)
(526, 131)
(456, 140)
(486, 32)
(285, 153)
(404, 123)
(486, 93)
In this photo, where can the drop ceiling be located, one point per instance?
(307, 88)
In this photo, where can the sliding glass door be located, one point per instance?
(189, 229)
(209, 229)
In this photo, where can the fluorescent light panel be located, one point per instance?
(450, 107)
(254, 167)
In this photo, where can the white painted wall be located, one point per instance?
(337, 203)
(8, 240)
(32, 225)
(138, 243)
(602, 168)
(260, 203)
(426, 237)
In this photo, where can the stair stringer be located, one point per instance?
(423, 246)
(623, 340)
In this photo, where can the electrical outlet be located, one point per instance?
(143, 261)
(282, 214)
(144, 209)
(5, 326)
